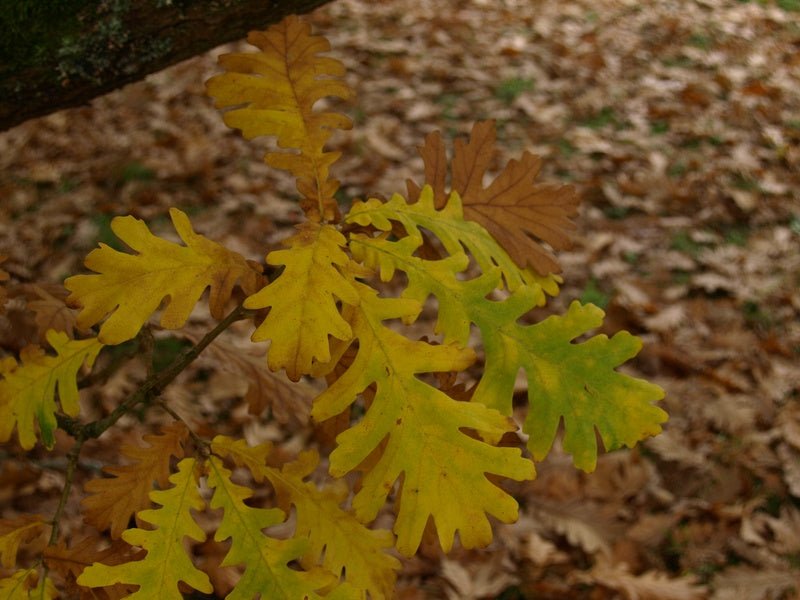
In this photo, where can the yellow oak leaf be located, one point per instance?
(514, 209)
(28, 390)
(26, 584)
(303, 300)
(167, 562)
(70, 561)
(273, 93)
(112, 501)
(129, 288)
(14, 532)
(444, 469)
(265, 559)
(347, 547)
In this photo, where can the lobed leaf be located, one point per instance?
(345, 546)
(265, 560)
(113, 501)
(303, 300)
(166, 563)
(574, 382)
(28, 390)
(129, 288)
(456, 233)
(273, 93)
(444, 469)
(26, 584)
(14, 532)
(513, 209)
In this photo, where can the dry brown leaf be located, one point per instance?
(542, 552)
(746, 583)
(791, 468)
(573, 521)
(671, 445)
(652, 585)
(289, 401)
(477, 580)
(112, 501)
(514, 209)
(51, 310)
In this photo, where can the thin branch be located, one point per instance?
(153, 385)
(72, 462)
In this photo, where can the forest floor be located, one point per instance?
(679, 122)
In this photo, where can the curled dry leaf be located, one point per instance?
(289, 402)
(746, 583)
(648, 586)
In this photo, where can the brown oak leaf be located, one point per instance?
(69, 563)
(513, 208)
(112, 501)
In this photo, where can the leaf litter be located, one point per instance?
(679, 125)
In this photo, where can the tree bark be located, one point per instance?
(62, 53)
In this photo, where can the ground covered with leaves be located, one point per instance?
(679, 122)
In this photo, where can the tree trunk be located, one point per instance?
(62, 53)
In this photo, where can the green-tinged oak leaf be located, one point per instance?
(347, 547)
(303, 300)
(576, 382)
(273, 93)
(514, 209)
(265, 560)
(129, 288)
(111, 502)
(166, 563)
(444, 469)
(449, 225)
(14, 532)
(27, 584)
(28, 390)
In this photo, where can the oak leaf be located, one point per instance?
(166, 563)
(273, 93)
(112, 501)
(444, 469)
(50, 309)
(26, 584)
(514, 209)
(288, 401)
(576, 381)
(129, 288)
(265, 560)
(28, 390)
(456, 233)
(347, 547)
(303, 300)
(14, 532)
(70, 561)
